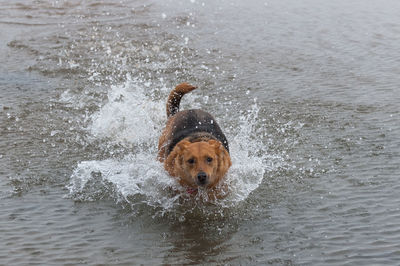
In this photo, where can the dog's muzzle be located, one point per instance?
(202, 178)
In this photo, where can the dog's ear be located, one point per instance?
(223, 158)
(217, 146)
(182, 144)
(214, 143)
(173, 162)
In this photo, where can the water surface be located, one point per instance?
(307, 93)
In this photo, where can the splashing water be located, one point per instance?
(129, 116)
(132, 116)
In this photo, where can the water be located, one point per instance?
(307, 93)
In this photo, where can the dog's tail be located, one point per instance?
(174, 98)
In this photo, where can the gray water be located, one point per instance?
(306, 91)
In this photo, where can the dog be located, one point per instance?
(193, 147)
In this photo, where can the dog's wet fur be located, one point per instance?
(192, 146)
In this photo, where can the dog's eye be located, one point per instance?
(191, 161)
(209, 159)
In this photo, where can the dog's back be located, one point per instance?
(195, 124)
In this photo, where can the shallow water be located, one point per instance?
(307, 93)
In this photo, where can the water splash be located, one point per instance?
(132, 116)
(129, 116)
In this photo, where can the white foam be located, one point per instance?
(135, 175)
(129, 115)
(249, 160)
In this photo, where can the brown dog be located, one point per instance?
(192, 146)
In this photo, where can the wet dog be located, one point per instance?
(192, 146)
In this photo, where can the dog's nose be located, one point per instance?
(202, 178)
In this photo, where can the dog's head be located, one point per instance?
(198, 164)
